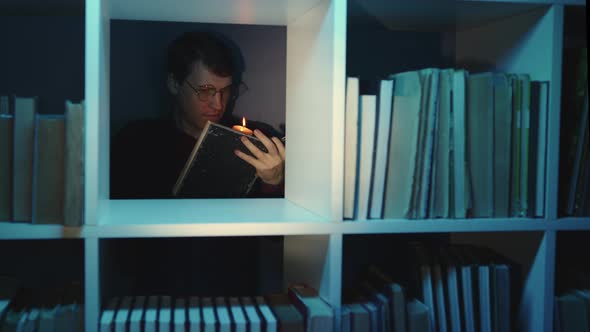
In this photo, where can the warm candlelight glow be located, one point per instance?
(242, 128)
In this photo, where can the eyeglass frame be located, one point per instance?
(210, 87)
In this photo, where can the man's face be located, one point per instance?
(196, 112)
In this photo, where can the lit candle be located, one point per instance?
(242, 128)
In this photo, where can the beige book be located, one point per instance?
(48, 182)
(74, 164)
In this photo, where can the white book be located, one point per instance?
(351, 146)
(502, 272)
(194, 314)
(136, 315)
(239, 319)
(460, 171)
(360, 318)
(123, 314)
(74, 164)
(449, 270)
(383, 308)
(316, 312)
(151, 314)
(270, 320)
(6, 147)
(381, 149)
(108, 315)
(21, 325)
(222, 315)
(441, 172)
(480, 119)
(403, 144)
(466, 285)
(368, 105)
(254, 323)
(165, 314)
(179, 315)
(418, 314)
(22, 181)
(373, 311)
(209, 320)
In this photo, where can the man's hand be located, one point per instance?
(270, 167)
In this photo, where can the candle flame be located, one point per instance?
(244, 121)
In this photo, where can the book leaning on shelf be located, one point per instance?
(212, 169)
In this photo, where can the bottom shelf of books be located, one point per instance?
(427, 282)
(41, 285)
(572, 281)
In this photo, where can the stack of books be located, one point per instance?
(300, 309)
(43, 309)
(445, 143)
(449, 288)
(41, 163)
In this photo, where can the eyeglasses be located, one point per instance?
(207, 92)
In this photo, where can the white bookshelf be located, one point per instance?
(511, 36)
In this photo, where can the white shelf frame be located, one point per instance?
(313, 225)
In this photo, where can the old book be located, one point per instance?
(222, 313)
(515, 196)
(179, 315)
(212, 170)
(403, 145)
(396, 294)
(74, 164)
(165, 314)
(252, 316)
(573, 315)
(239, 322)
(6, 137)
(107, 317)
(418, 314)
(380, 301)
(288, 318)
(440, 195)
(136, 315)
(317, 313)
(368, 110)
(209, 320)
(480, 135)
(502, 142)
(122, 315)
(351, 146)
(151, 314)
(23, 144)
(385, 99)
(48, 170)
(269, 320)
(194, 314)
(461, 183)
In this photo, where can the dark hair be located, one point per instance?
(202, 46)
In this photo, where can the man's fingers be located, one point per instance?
(270, 146)
(253, 148)
(280, 147)
(249, 159)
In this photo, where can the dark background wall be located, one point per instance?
(138, 50)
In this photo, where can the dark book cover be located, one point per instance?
(213, 170)
(288, 317)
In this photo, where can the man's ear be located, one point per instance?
(172, 84)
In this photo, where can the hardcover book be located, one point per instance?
(212, 170)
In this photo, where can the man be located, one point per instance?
(203, 82)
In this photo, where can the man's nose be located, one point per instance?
(216, 101)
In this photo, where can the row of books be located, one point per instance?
(572, 311)
(44, 309)
(301, 309)
(41, 163)
(575, 161)
(445, 143)
(449, 288)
